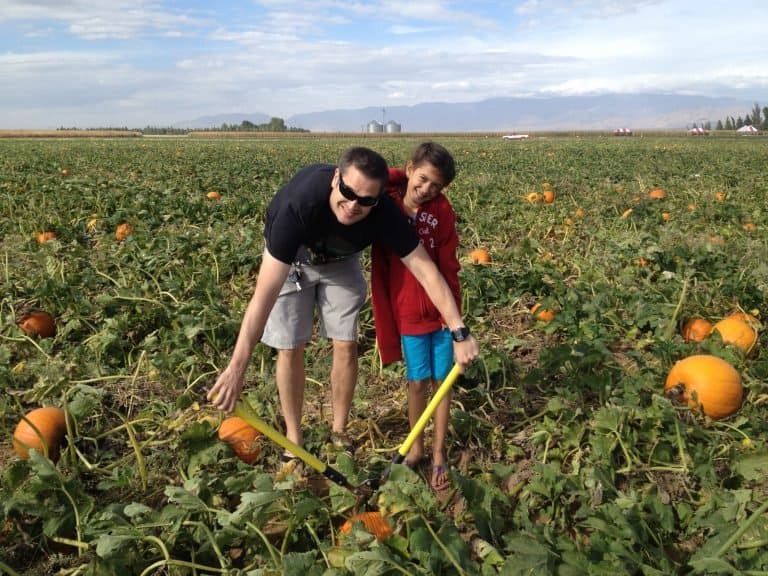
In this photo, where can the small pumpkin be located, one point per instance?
(720, 196)
(736, 332)
(542, 314)
(657, 194)
(43, 237)
(666, 216)
(548, 196)
(374, 523)
(480, 256)
(123, 231)
(42, 429)
(213, 195)
(696, 330)
(708, 381)
(243, 438)
(38, 324)
(533, 197)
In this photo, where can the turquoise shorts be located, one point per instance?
(428, 355)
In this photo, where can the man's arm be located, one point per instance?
(426, 272)
(272, 275)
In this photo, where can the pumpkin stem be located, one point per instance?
(675, 394)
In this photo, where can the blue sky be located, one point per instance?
(138, 63)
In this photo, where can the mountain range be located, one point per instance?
(597, 112)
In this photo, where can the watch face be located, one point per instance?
(460, 334)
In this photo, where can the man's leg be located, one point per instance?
(289, 373)
(343, 382)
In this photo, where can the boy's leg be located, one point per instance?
(417, 402)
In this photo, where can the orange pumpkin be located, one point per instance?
(242, 438)
(480, 256)
(38, 323)
(708, 381)
(696, 329)
(213, 195)
(374, 523)
(736, 332)
(744, 317)
(749, 226)
(42, 429)
(657, 194)
(123, 231)
(720, 196)
(665, 216)
(548, 196)
(43, 237)
(544, 315)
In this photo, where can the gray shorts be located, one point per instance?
(337, 289)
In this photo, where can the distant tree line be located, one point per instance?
(758, 118)
(274, 125)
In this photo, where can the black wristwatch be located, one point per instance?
(460, 334)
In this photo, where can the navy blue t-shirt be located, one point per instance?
(300, 215)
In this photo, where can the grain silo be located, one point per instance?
(374, 126)
(392, 127)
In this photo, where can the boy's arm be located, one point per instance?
(387, 334)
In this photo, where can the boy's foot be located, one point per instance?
(440, 480)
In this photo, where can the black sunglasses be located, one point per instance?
(350, 195)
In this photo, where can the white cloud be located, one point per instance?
(160, 62)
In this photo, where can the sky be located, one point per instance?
(138, 63)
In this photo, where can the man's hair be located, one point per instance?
(435, 154)
(371, 164)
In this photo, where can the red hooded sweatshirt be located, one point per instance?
(400, 304)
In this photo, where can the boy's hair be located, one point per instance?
(438, 156)
(371, 164)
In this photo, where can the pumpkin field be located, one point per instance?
(613, 424)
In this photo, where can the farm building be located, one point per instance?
(374, 127)
(622, 132)
(514, 137)
(392, 127)
(748, 129)
(698, 131)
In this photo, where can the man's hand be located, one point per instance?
(226, 391)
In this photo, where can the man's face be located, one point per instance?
(349, 194)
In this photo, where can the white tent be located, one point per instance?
(514, 137)
(622, 132)
(698, 131)
(747, 129)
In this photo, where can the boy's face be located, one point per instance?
(424, 183)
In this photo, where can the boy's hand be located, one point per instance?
(466, 351)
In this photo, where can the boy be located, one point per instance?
(407, 324)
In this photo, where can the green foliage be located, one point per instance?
(566, 457)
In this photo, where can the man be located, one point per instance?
(316, 226)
